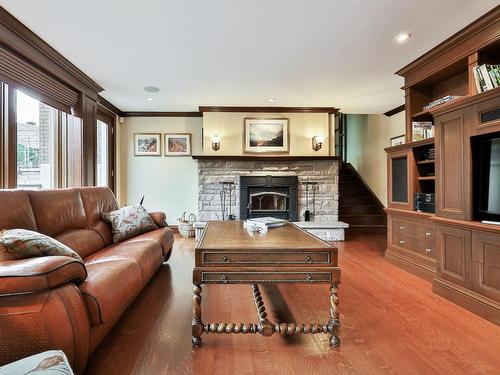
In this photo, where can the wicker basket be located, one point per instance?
(186, 227)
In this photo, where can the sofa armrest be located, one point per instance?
(37, 274)
(159, 218)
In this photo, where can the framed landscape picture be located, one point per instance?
(147, 144)
(266, 135)
(177, 144)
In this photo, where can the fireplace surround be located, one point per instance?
(214, 169)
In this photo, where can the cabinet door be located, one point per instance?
(454, 255)
(486, 264)
(400, 178)
(453, 190)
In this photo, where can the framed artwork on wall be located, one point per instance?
(266, 135)
(399, 140)
(177, 144)
(147, 144)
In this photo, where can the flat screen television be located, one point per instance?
(486, 177)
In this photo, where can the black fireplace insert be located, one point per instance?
(274, 196)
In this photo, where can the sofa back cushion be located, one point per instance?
(96, 201)
(15, 210)
(58, 210)
(59, 213)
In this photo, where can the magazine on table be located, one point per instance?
(266, 222)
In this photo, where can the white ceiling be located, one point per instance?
(243, 52)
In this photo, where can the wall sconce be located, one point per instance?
(317, 142)
(215, 142)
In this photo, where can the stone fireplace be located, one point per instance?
(283, 172)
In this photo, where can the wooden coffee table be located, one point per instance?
(228, 254)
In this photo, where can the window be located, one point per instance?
(105, 149)
(36, 159)
(102, 158)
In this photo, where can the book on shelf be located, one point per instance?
(444, 99)
(422, 130)
(486, 77)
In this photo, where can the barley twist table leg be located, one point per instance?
(197, 324)
(334, 323)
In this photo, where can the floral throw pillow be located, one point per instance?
(129, 221)
(23, 243)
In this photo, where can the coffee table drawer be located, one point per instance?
(256, 277)
(238, 258)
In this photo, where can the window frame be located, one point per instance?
(109, 118)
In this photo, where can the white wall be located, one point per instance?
(367, 136)
(229, 126)
(169, 184)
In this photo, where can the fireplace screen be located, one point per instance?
(268, 201)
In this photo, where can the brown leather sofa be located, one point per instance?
(56, 302)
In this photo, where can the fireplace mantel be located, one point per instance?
(262, 157)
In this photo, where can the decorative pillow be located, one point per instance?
(129, 221)
(52, 362)
(22, 243)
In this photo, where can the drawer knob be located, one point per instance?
(225, 259)
(402, 242)
(428, 234)
(308, 259)
(223, 279)
(428, 250)
(402, 227)
(309, 278)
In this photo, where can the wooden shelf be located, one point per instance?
(405, 146)
(426, 162)
(427, 178)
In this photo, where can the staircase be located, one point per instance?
(358, 205)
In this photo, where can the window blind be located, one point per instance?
(26, 76)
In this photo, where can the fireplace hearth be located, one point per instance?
(274, 196)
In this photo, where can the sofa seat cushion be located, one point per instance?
(164, 236)
(146, 253)
(37, 274)
(110, 285)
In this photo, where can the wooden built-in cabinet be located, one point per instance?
(411, 242)
(460, 255)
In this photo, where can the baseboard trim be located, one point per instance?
(410, 266)
(468, 299)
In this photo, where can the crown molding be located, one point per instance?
(19, 38)
(330, 110)
(394, 111)
(162, 114)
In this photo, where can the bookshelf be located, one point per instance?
(460, 255)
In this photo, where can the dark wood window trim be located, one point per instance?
(110, 119)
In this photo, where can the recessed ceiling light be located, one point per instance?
(402, 37)
(151, 89)
(149, 99)
(271, 100)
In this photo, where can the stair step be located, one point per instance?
(356, 210)
(354, 200)
(363, 219)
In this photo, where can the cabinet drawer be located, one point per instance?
(407, 228)
(425, 248)
(257, 277)
(239, 258)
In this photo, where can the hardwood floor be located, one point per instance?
(391, 323)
